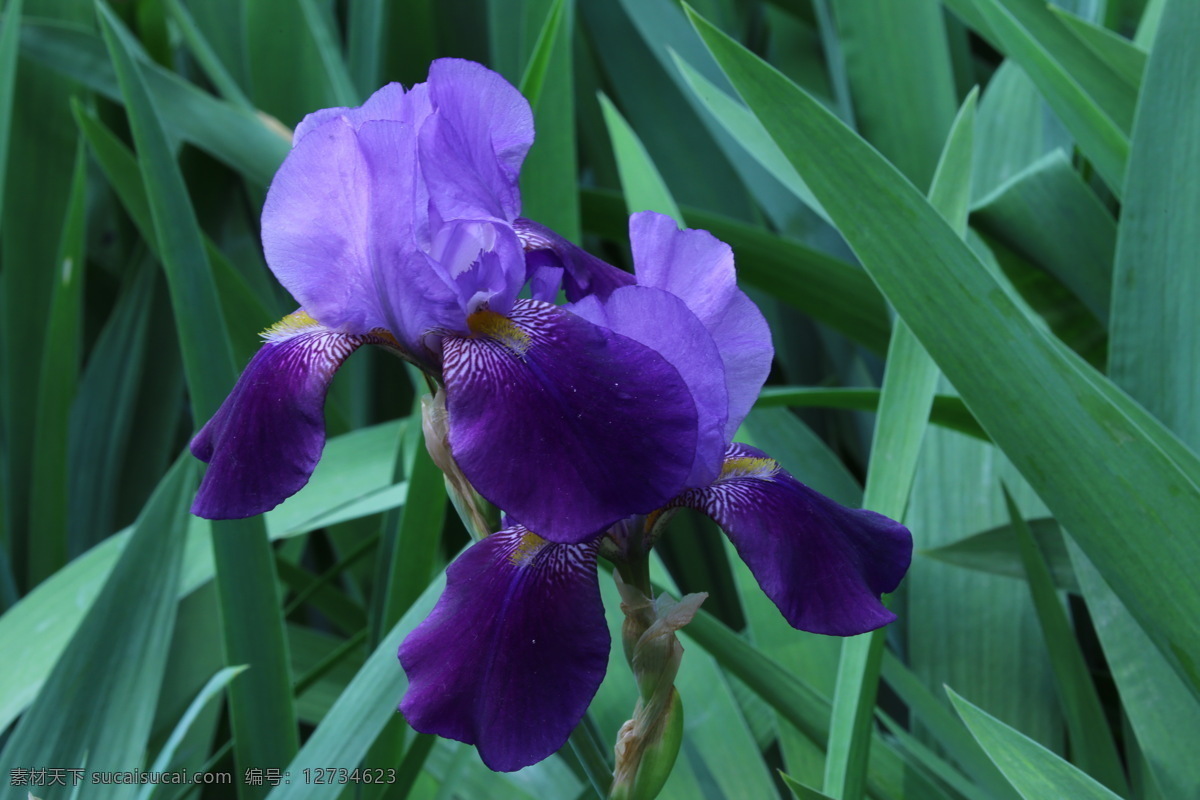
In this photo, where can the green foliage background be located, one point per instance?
(972, 223)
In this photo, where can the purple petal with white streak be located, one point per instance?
(584, 275)
(822, 564)
(564, 424)
(266, 438)
(513, 652)
(698, 268)
(661, 321)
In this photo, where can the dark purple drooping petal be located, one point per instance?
(698, 268)
(662, 322)
(564, 424)
(266, 438)
(514, 650)
(583, 274)
(823, 565)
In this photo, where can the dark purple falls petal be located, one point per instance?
(564, 424)
(266, 438)
(823, 565)
(514, 650)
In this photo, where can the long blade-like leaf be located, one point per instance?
(1047, 412)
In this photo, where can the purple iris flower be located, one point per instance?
(515, 649)
(396, 224)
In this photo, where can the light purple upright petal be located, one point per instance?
(564, 424)
(584, 275)
(473, 145)
(338, 231)
(697, 267)
(477, 99)
(391, 102)
(661, 321)
(265, 440)
(823, 565)
(513, 652)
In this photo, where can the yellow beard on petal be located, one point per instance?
(499, 328)
(529, 546)
(294, 323)
(749, 467)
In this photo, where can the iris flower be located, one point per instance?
(397, 224)
(516, 647)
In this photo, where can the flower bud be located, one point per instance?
(645, 757)
(648, 744)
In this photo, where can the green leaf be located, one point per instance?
(355, 468)
(249, 142)
(245, 313)
(898, 67)
(904, 403)
(745, 128)
(37, 147)
(996, 551)
(61, 357)
(360, 713)
(365, 31)
(165, 759)
(1092, 745)
(108, 687)
(947, 730)
(549, 190)
(641, 182)
(947, 411)
(1095, 106)
(1051, 217)
(1159, 703)
(1155, 341)
(261, 706)
(632, 40)
(534, 78)
(291, 68)
(1032, 769)
(801, 791)
(10, 29)
(417, 534)
(1015, 128)
(102, 413)
(1051, 414)
(208, 362)
(324, 38)
(204, 53)
(801, 706)
(1125, 58)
